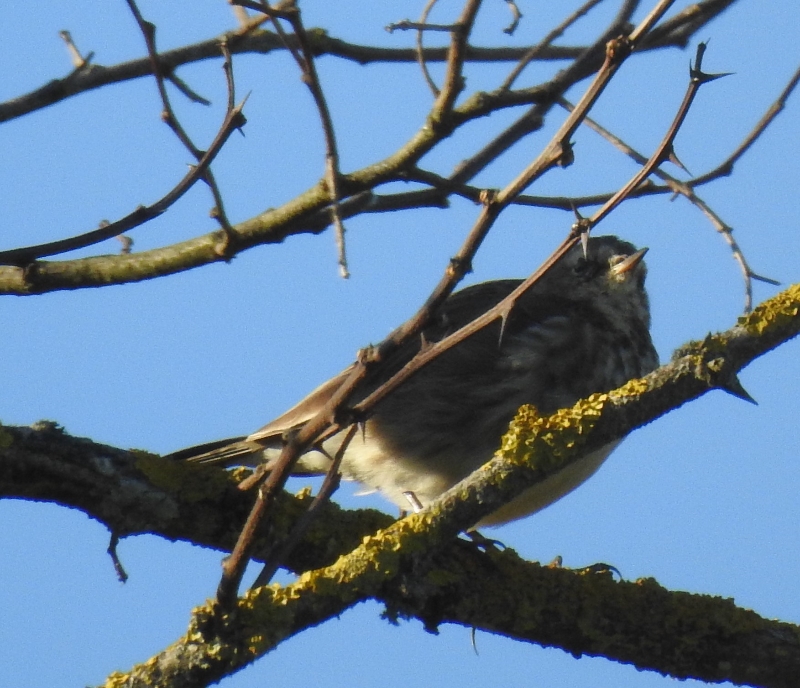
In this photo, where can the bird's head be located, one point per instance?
(610, 276)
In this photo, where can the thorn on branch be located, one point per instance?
(696, 72)
(767, 280)
(585, 243)
(675, 160)
(187, 91)
(537, 49)
(78, 61)
(734, 386)
(149, 29)
(581, 228)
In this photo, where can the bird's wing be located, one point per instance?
(303, 411)
(467, 304)
(460, 309)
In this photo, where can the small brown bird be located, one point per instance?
(583, 328)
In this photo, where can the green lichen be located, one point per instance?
(192, 483)
(6, 438)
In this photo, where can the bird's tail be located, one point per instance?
(234, 451)
(239, 451)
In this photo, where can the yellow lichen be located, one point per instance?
(545, 440)
(775, 312)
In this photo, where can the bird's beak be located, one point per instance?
(629, 263)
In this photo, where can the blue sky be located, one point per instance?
(704, 500)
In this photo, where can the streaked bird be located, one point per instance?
(583, 328)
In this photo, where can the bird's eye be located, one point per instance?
(582, 267)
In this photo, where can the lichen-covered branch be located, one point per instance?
(415, 566)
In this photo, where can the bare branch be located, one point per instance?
(303, 213)
(247, 40)
(664, 149)
(454, 79)
(556, 33)
(726, 167)
(421, 51)
(516, 16)
(26, 256)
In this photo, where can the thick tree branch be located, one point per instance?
(134, 492)
(400, 564)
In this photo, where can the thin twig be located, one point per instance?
(686, 189)
(421, 61)
(516, 16)
(447, 186)
(119, 569)
(331, 483)
(454, 78)
(245, 40)
(553, 35)
(23, 256)
(726, 167)
(455, 184)
(218, 211)
(665, 148)
(684, 24)
(305, 60)
(63, 275)
(148, 30)
(590, 61)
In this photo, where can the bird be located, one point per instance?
(583, 328)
